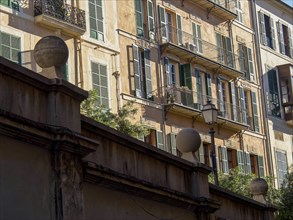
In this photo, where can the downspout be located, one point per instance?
(262, 97)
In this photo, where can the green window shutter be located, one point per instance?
(224, 157)
(139, 18)
(196, 29)
(241, 58)
(242, 105)
(179, 29)
(220, 48)
(137, 69)
(64, 70)
(96, 18)
(229, 52)
(273, 34)
(151, 21)
(282, 167)
(173, 143)
(290, 43)
(163, 26)
(199, 89)
(5, 2)
(188, 79)
(167, 71)
(159, 140)
(201, 153)
(250, 64)
(247, 163)
(262, 28)
(10, 47)
(100, 83)
(260, 163)
(254, 111)
(208, 85)
(148, 74)
(274, 98)
(240, 161)
(220, 97)
(280, 37)
(233, 101)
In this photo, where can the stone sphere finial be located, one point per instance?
(188, 140)
(259, 188)
(51, 53)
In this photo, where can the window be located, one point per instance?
(204, 154)
(100, 83)
(239, 12)
(10, 47)
(186, 81)
(246, 62)
(285, 40)
(234, 107)
(156, 139)
(267, 30)
(142, 72)
(203, 88)
(96, 19)
(13, 4)
(196, 29)
(222, 87)
(243, 162)
(282, 167)
(224, 47)
(172, 138)
(256, 165)
(274, 99)
(144, 13)
(228, 159)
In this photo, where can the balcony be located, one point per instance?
(55, 14)
(192, 49)
(181, 100)
(224, 9)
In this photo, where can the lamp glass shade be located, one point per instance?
(210, 113)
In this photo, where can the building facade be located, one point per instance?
(169, 57)
(274, 40)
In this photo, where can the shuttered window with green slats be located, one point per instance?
(10, 47)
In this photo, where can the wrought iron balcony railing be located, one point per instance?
(186, 97)
(61, 11)
(221, 55)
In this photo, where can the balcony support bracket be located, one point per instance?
(210, 10)
(194, 118)
(167, 108)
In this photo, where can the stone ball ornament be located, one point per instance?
(51, 51)
(259, 186)
(188, 140)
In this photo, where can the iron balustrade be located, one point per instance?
(61, 11)
(186, 97)
(170, 34)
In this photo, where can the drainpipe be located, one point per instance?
(262, 97)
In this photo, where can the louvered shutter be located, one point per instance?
(159, 140)
(151, 23)
(220, 48)
(201, 153)
(240, 160)
(247, 163)
(198, 88)
(148, 74)
(250, 64)
(139, 17)
(5, 2)
(179, 29)
(262, 28)
(224, 157)
(241, 58)
(167, 71)
(254, 112)
(273, 33)
(260, 163)
(104, 86)
(220, 97)
(233, 101)
(208, 86)
(280, 37)
(173, 143)
(290, 43)
(229, 53)
(242, 105)
(163, 26)
(137, 69)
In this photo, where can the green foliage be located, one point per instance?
(122, 121)
(285, 211)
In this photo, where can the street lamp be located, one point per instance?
(210, 113)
